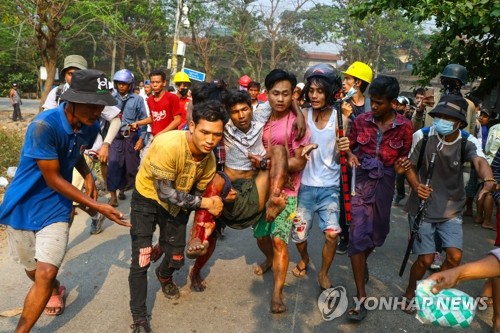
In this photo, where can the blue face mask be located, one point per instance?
(443, 126)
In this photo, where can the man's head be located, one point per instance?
(402, 104)
(72, 63)
(239, 106)
(359, 75)
(419, 94)
(14, 85)
(450, 114)
(206, 127)
(383, 93)
(485, 115)
(323, 85)
(124, 81)
(254, 90)
(158, 80)
(205, 91)
(182, 83)
(280, 85)
(147, 87)
(87, 96)
(453, 77)
(244, 81)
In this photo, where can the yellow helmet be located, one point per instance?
(360, 71)
(181, 77)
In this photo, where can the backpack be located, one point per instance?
(425, 131)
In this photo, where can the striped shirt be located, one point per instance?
(238, 144)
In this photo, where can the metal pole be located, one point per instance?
(178, 17)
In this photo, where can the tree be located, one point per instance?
(375, 39)
(468, 34)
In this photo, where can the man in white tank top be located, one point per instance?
(320, 184)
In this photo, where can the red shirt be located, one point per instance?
(163, 111)
(366, 137)
(183, 104)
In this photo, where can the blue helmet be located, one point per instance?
(125, 76)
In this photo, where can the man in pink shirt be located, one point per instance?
(272, 238)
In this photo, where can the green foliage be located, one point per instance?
(11, 143)
(375, 39)
(468, 34)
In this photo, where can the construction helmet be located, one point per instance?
(360, 71)
(125, 76)
(181, 77)
(244, 81)
(455, 71)
(74, 61)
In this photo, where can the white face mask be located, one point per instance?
(443, 126)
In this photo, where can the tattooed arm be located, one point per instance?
(167, 193)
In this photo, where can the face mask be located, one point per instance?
(443, 126)
(183, 91)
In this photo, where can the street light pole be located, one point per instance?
(178, 16)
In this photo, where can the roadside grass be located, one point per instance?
(11, 143)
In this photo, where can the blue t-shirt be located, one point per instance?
(29, 203)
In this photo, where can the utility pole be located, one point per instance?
(182, 9)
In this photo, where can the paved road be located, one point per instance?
(29, 105)
(95, 274)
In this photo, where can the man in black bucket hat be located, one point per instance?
(37, 204)
(445, 195)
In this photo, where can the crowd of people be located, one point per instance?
(239, 158)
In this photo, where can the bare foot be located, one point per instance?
(196, 248)
(277, 305)
(197, 283)
(275, 205)
(263, 267)
(324, 282)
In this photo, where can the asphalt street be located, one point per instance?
(95, 273)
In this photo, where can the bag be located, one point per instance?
(448, 308)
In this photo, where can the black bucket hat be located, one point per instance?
(89, 86)
(452, 105)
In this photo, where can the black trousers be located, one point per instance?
(145, 215)
(16, 115)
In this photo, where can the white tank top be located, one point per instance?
(322, 170)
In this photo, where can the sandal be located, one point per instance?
(57, 302)
(356, 314)
(299, 272)
(409, 306)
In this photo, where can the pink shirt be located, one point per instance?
(278, 129)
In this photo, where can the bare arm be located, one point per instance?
(299, 124)
(484, 172)
(173, 125)
(298, 162)
(167, 193)
(487, 267)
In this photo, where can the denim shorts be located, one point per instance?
(450, 232)
(321, 200)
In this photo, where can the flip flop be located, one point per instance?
(489, 227)
(299, 272)
(56, 301)
(409, 306)
(356, 314)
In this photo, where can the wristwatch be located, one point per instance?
(264, 163)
